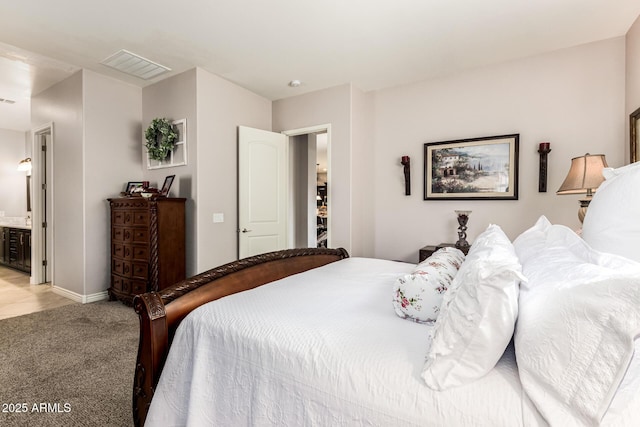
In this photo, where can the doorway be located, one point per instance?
(310, 207)
(322, 191)
(307, 192)
(42, 213)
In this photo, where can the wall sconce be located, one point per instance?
(25, 164)
(544, 149)
(584, 177)
(406, 162)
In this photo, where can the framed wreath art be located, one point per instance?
(160, 138)
(165, 142)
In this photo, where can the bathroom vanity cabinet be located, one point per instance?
(15, 248)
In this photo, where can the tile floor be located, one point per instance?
(18, 297)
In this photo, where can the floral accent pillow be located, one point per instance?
(417, 296)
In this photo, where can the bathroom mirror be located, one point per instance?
(28, 193)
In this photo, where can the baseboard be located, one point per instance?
(100, 296)
(84, 299)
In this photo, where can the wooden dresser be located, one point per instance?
(147, 245)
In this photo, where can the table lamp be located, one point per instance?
(584, 177)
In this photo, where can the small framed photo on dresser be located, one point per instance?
(167, 185)
(134, 187)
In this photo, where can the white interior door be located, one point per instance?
(263, 167)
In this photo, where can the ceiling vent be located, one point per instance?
(7, 101)
(135, 65)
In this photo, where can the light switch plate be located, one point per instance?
(218, 217)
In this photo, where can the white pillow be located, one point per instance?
(579, 314)
(611, 224)
(417, 296)
(477, 315)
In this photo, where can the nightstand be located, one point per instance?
(428, 250)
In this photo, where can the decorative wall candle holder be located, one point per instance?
(406, 162)
(463, 218)
(544, 149)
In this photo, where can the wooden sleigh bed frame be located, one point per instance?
(161, 312)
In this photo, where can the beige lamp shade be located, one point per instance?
(585, 174)
(584, 177)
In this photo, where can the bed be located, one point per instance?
(535, 332)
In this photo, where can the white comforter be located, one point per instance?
(322, 348)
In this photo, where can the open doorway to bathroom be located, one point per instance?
(15, 233)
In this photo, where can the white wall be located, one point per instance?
(214, 108)
(175, 98)
(329, 106)
(96, 136)
(13, 186)
(363, 170)
(632, 76)
(62, 105)
(573, 98)
(112, 129)
(221, 107)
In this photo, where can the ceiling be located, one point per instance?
(262, 45)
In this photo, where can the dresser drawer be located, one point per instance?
(139, 253)
(130, 252)
(120, 217)
(130, 235)
(137, 287)
(120, 250)
(116, 282)
(140, 218)
(128, 286)
(138, 235)
(139, 270)
(121, 267)
(120, 234)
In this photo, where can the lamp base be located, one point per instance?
(582, 212)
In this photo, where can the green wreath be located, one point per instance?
(161, 138)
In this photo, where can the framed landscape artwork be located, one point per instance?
(472, 169)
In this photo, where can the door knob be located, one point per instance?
(244, 230)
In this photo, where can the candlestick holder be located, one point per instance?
(463, 218)
(544, 149)
(406, 162)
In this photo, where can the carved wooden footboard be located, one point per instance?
(161, 312)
